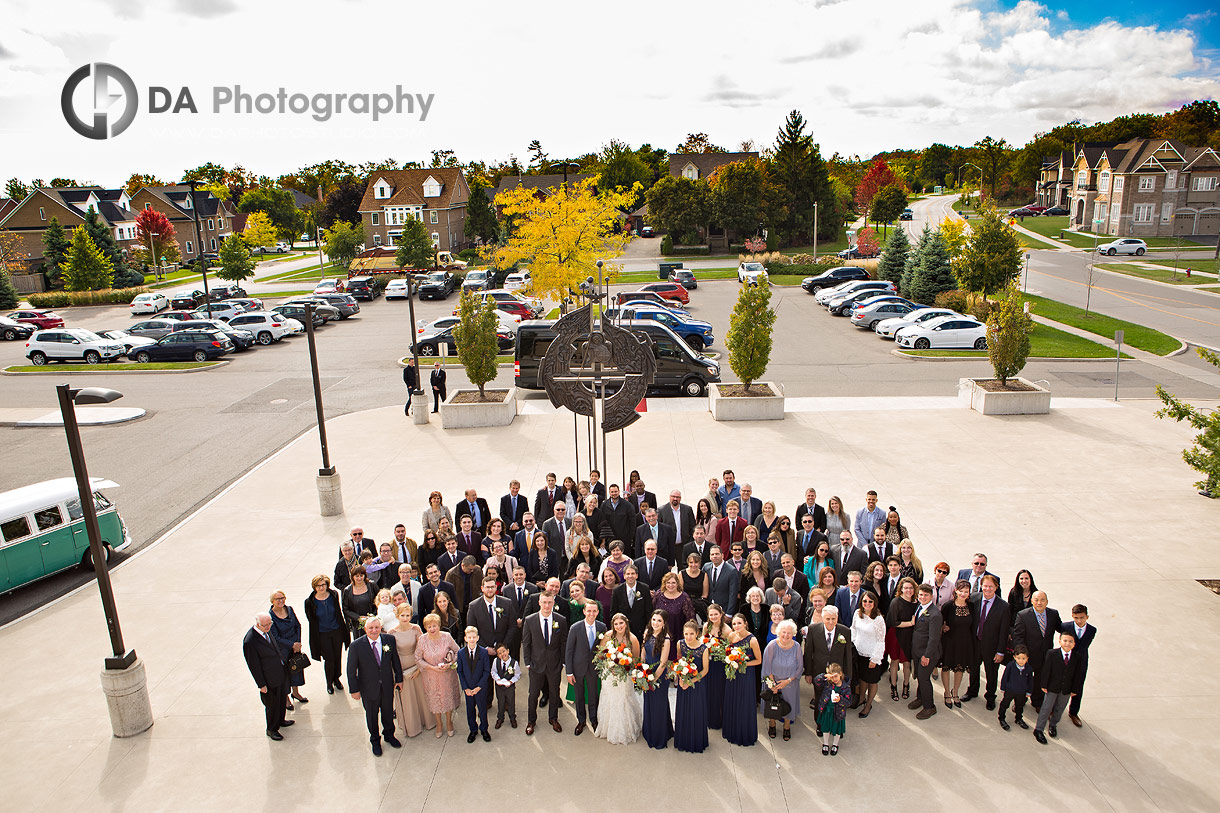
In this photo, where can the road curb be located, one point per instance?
(901, 354)
(95, 369)
(1158, 282)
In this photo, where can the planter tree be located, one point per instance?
(1008, 329)
(991, 260)
(749, 337)
(894, 257)
(1204, 456)
(236, 264)
(86, 267)
(475, 336)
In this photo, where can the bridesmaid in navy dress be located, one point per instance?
(658, 728)
(690, 716)
(740, 704)
(716, 627)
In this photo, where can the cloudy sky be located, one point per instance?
(867, 74)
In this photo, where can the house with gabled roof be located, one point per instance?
(696, 166)
(436, 196)
(29, 218)
(217, 218)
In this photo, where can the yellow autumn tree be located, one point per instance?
(259, 231)
(561, 235)
(953, 232)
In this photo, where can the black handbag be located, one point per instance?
(298, 661)
(775, 707)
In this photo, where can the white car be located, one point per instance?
(265, 327)
(130, 341)
(329, 286)
(150, 303)
(890, 327)
(219, 310)
(750, 273)
(518, 280)
(1127, 245)
(824, 296)
(396, 289)
(505, 322)
(71, 344)
(946, 333)
(295, 327)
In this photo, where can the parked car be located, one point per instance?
(438, 285)
(265, 327)
(1036, 209)
(208, 257)
(750, 273)
(647, 231)
(187, 345)
(344, 303)
(153, 328)
(889, 327)
(685, 278)
(623, 297)
(70, 344)
(1055, 211)
(834, 276)
(504, 321)
(534, 306)
(856, 253)
(181, 316)
(907, 214)
(947, 332)
(299, 313)
(518, 280)
(870, 314)
(149, 303)
(841, 306)
(1024, 211)
(250, 303)
(229, 291)
(327, 311)
(11, 329)
(40, 320)
(477, 280)
(696, 333)
(130, 341)
(278, 248)
(242, 339)
(1127, 245)
(396, 289)
(435, 340)
(219, 310)
(187, 300)
(668, 290)
(875, 286)
(365, 288)
(329, 286)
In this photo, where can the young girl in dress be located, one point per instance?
(834, 698)
(690, 716)
(658, 726)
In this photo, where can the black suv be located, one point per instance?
(299, 313)
(438, 285)
(344, 303)
(365, 288)
(242, 339)
(220, 292)
(186, 300)
(187, 345)
(834, 276)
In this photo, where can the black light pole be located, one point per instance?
(203, 264)
(68, 398)
(327, 469)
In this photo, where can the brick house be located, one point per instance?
(217, 218)
(435, 196)
(699, 166)
(541, 183)
(1145, 188)
(1055, 180)
(28, 219)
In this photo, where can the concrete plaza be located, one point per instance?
(1095, 500)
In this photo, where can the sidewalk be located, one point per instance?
(1067, 495)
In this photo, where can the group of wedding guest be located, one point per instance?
(839, 600)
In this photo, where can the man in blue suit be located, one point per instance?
(373, 672)
(975, 573)
(847, 598)
(474, 674)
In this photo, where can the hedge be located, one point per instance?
(687, 251)
(65, 299)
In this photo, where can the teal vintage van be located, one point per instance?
(42, 530)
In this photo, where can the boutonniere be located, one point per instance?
(842, 640)
(509, 671)
(499, 610)
(554, 625)
(385, 647)
(637, 593)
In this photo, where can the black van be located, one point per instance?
(680, 370)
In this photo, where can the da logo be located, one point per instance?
(104, 118)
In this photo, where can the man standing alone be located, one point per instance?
(437, 380)
(410, 377)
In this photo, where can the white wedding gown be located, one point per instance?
(620, 713)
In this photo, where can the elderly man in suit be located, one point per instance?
(679, 516)
(751, 506)
(656, 531)
(827, 644)
(992, 631)
(548, 497)
(474, 507)
(513, 507)
(518, 591)
(1035, 627)
(373, 673)
(651, 566)
(1062, 680)
(975, 573)
(270, 672)
(634, 600)
(723, 581)
(544, 642)
(494, 617)
(474, 676)
(578, 658)
(925, 651)
(556, 528)
(621, 519)
(810, 506)
(848, 556)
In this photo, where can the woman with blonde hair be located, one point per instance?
(578, 533)
(911, 566)
(410, 701)
(767, 521)
(837, 519)
(437, 652)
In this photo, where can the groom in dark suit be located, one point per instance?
(270, 673)
(494, 617)
(373, 672)
(634, 600)
(582, 641)
(544, 641)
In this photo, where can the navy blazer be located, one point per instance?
(473, 675)
(509, 515)
(843, 603)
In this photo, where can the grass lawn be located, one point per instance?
(286, 257)
(109, 368)
(1159, 274)
(1144, 338)
(651, 276)
(314, 272)
(1045, 342)
(285, 294)
(1205, 265)
(787, 280)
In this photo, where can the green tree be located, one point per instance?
(342, 242)
(914, 258)
(894, 257)
(259, 231)
(1204, 455)
(991, 258)
(679, 206)
(343, 201)
(934, 274)
(621, 168)
(888, 203)
(279, 205)
(103, 237)
(8, 293)
(415, 248)
(749, 337)
(993, 157)
(935, 163)
(236, 264)
(16, 190)
(137, 181)
(481, 221)
(55, 243)
(796, 168)
(87, 267)
(739, 193)
(698, 143)
(475, 336)
(1008, 329)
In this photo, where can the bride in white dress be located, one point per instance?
(620, 711)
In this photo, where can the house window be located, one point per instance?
(1166, 212)
(382, 190)
(190, 249)
(220, 222)
(432, 189)
(213, 244)
(42, 215)
(211, 224)
(691, 172)
(432, 217)
(1082, 179)
(1118, 184)
(148, 206)
(436, 239)
(187, 201)
(375, 219)
(1171, 179)
(1103, 181)
(1102, 210)
(1147, 184)
(1205, 184)
(1143, 212)
(392, 237)
(376, 239)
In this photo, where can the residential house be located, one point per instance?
(1055, 180)
(28, 219)
(701, 165)
(540, 183)
(1145, 187)
(7, 205)
(435, 196)
(217, 218)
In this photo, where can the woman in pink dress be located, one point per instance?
(410, 702)
(436, 654)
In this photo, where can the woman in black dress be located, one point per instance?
(899, 630)
(429, 550)
(1021, 596)
(695, 585)
(758, 621)
(957, 641)
(359, 599)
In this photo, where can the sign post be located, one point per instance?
(1118, 358)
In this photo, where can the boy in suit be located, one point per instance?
(1060, 683)
(1084, 633)
(474, 675)
(505, 674)
(1015, 685)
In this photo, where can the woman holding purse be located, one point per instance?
(286, 634)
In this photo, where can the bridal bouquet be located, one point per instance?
(645, 677)
(684, 671)
(715, 647)
(735, 658)
(613, 661)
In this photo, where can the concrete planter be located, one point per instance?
(1033, 402)
(746, 408)
(466, 416)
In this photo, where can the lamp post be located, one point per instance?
(330, 492)
(815, 232)
(1025, 281)
(123, 678)
(564, 165)
(203, 264)
(420, 415)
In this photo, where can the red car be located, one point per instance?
(668, 290)
(516, 309)
(40, 319)
(180, 316)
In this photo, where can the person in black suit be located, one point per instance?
(925, 651)
(632, 599)
(797, 581)
(828, 643)
(640, 496)
(518, 591)
(1084, 633)
(270, 673)
(578, 659)
(513, 508)
(723, 580)
(651, 567)
(434, 585)
(994, 627)
(621, 518)
(1062, 681)
(452, 557)
(596, 486)
(556, 528)
(701, 545)
(974, 574)
(848, 556)
(410, 377)
(474, 676)
(810, 506)
(654, 530)
(543, 645)
(494, 617)
(1035, 629)
(437, 379)
(889, 587)
(808, 537)
(680, 517)
(373, 673)
(474, 507)
(879, 550)
(548, 497)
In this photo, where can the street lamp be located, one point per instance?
(420, 415)
(815, 232)
(203, 264)
(565, 165)
(123, 678)
(330, 493)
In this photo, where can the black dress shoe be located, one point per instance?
(1054, 732)
(968, 696)
(377, 749)
(991, 705)
(471, 737)
(338, 685)
(580, 727)
(330, 689)
(1004, 725)
(1040, 737)
(393, 742)
(542, 702)
(275, 735)
(1020, 722)
(287, 723)
(486, 737)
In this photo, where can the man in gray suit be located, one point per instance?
(925, 651)
(723, 581)
(556, 529)
(678, 516)
(578, 659)
(545, 635)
